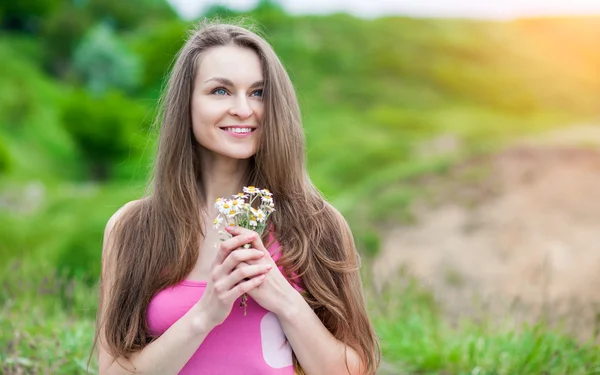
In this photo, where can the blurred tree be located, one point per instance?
(5, 161)
(60, 33)
(106, 129)
(271, 17)
(219, 11)
(156, 46)
(25, 15)
(131, 14)
(104, 62)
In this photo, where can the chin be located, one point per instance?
(241, 155)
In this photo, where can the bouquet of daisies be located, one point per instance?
(249, 209)
(240, 211)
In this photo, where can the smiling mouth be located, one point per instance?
(238, 129)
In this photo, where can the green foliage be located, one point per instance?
(60, 33)
(368, 241)
(157, 46)
(219, 11)
(5, 161)
(79, 258)
(104, 62)
(30, 128)
(106, 129)
(132, 14)
(25, 15)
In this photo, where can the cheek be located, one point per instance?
(206, 115)
(259, 110)
(202, 111)
(203, 119)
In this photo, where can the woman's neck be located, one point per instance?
(222, 177)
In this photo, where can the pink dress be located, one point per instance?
(251, 344)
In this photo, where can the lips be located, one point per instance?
(238, 131)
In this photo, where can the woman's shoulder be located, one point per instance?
(123, 210)
(116, 219)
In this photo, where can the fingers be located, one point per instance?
(245, 287)
(236, 257)
(227, 246)
(244, 273)
(256, 242)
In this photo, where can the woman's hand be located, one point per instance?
(228, 281)
(275, 293)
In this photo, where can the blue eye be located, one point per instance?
(219, 91)
(258, 93)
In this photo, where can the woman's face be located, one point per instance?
(227, 106)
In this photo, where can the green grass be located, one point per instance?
(417, 340)
(39, 335)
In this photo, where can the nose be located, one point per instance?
(241, 107)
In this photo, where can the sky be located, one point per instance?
(494, 9)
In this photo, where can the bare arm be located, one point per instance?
(317, 350)
(167, 355)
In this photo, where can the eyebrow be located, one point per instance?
(228, 82)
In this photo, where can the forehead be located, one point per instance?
(241, 65)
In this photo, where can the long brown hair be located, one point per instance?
(154, 243)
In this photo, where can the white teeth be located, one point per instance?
(240, 130)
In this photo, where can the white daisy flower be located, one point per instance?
(237, 204)
(240, 196)
(225, 207)
(266, 192)
(269, 208)
(219, 203)
(231, 214)
(251, 190)
(217, 222)
(253, 221)
(260, 216)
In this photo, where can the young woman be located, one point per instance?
(169, 297)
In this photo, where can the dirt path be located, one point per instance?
(520, 239)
